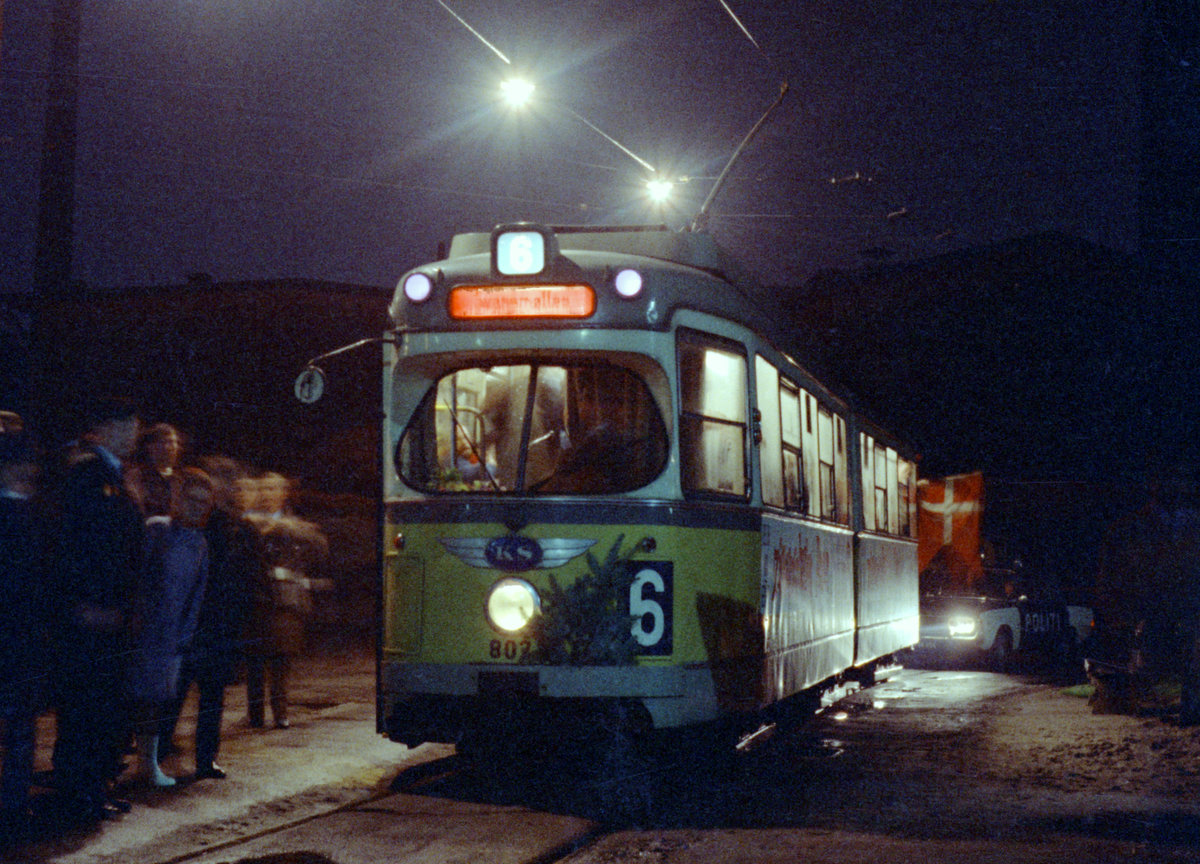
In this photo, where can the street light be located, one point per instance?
(517, 91)
(658, 189)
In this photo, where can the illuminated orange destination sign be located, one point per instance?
(522, 301)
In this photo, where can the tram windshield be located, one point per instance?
(591, 428)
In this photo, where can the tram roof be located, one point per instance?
(675, 264)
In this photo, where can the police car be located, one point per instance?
(999, 620)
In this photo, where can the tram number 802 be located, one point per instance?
(509, 649)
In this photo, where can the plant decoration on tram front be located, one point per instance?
(588, 622)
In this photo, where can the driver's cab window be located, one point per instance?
(587, 428)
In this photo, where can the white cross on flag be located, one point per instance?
(949, 515)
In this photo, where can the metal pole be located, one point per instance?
(701, 220)
(56, 202)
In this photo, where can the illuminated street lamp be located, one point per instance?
(517, 91)
(658, 189)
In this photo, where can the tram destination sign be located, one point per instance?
(522, 301)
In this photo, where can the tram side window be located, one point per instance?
(841, 469)
(712, 382)
(793, 469)
(770, 447)
(882, 514)
(907, 491)
(889, 484)
(867, 447)
(809, 452)
(825, 443)
(823, 453)
(893, 492)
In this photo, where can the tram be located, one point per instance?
(612, 495)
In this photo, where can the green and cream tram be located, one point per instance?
(610, 493)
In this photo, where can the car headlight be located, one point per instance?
(963, 627)
(511, 604)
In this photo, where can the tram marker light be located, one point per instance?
(628, 283)
(418, 287)
(659, 190)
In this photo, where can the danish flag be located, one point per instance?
(949, 515)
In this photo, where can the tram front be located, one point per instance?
(533, 530)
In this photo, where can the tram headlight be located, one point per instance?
(628, 283)
(511, 604)
(418, 287)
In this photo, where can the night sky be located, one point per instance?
(940, 156)
(342, 141)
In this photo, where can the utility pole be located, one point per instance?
(21, 384)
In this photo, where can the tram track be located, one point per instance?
(279, 828)
(448, 781)
(600, 803)
(594, 792)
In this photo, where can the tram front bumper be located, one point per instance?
(550, 682)
(434, 702)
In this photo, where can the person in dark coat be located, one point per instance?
(23, 625)
(174, 577)
(216, 652)
(99, 558)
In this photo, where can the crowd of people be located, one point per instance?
(131, 574)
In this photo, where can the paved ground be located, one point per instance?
(931, 765)
(330, 756)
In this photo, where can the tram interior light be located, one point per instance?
(628, 283)
(511, 604)
(418, 287)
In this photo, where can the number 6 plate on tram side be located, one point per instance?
(651, 598)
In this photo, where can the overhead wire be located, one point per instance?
(702, 215)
